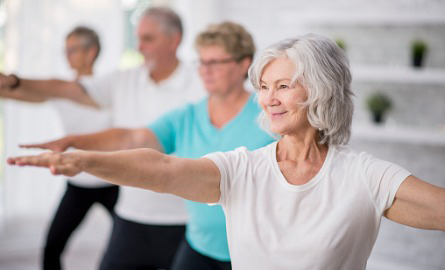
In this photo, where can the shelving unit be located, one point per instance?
(396, 74)
(363, 17)
(404, 135)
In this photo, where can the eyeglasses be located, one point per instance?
(212, 64)
(74, 49)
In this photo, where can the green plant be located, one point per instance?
(379, 103)
(341, 43)
(418, 50)
(419, 47)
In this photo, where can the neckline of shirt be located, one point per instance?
(237, 117)
(298, 188)
(174, 81)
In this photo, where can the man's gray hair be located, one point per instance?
(322, 68)
(167, 18)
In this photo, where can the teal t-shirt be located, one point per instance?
(188, 132)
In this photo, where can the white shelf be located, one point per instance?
(409, 135)
(408, 75)
(363, 17)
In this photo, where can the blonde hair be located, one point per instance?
(231, 36)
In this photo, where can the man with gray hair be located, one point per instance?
(148, 226)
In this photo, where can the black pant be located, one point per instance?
(71, 211)
(136, 246)
(188, 259)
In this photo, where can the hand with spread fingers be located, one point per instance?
(59, 163)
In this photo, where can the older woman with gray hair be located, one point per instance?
(306, 201)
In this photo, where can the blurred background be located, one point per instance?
(380, 37)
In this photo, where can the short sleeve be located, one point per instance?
(166, 128)
(383, 179)
(99, 89)
(232, 166)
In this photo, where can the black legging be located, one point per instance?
(187, 258)
(137, 246)
(71, 211)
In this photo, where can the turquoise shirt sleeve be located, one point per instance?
(166, 128)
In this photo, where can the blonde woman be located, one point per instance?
(223, 121)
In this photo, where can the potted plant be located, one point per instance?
(341, 43)
(378, 104)
(418, 50)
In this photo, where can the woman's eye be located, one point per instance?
(283, 86)
(263, 87)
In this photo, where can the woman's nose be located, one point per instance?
(269, 97)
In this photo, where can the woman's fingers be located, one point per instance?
(39, 145)
(58, 163)
(39, 161)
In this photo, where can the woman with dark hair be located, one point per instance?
(82, 47)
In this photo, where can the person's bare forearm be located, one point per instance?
(192, 179)
(47, 88)
(22, 89)
(56, 89)
(22, 96)
(142, 168)
(115, 139)
(108, 140)
(196, 180)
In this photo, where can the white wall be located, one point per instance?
(35, 34)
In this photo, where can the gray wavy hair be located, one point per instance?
(322, 69)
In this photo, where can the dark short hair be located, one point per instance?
(89, 36)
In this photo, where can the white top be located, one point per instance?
(80, 119)
(331, 222)
(136, 101)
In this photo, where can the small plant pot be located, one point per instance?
(419, 49)
(378, 104)
(377, 118)
(417, 60)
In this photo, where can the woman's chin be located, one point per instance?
(276, 130)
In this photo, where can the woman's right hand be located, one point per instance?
(59, 145)
(68, 164)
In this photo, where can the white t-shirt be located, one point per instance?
(80, 119)
(331, 222)
(136, 101)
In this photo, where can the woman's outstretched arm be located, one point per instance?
(192, 179)
(419, 204)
